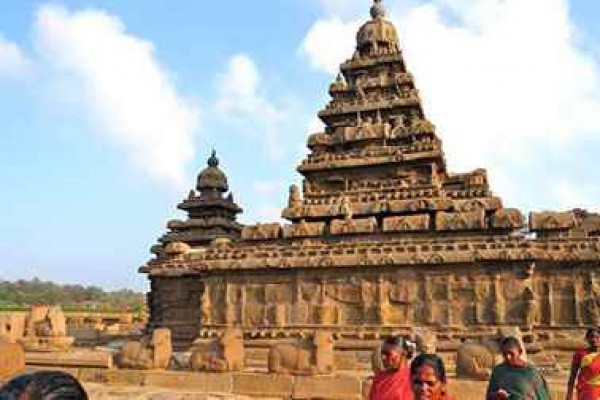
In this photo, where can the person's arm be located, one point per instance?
(372, 392)
(542, 392)
(575, 364)
(492, 388)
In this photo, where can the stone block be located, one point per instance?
(112, 377)
(261, 232)
(79, 358)
(406, 224)
(542, 221)
(198, 382)
(263, 385)
(327, 387)
(349, 226)
(303, 229)
(12, 360)
(460, 221)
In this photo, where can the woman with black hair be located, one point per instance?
(393, 382)
(515, 378)
(43, 385)
(428, 375)
(585, 367)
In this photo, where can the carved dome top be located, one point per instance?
(212, 177)
(377, 36)
(338, 85)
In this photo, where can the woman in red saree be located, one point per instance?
(393, 383)
(428, 376)
(585, 367)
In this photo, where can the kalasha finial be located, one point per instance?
(377, 11)
(213, 161)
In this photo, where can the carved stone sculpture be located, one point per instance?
(177, 248)
(542, 221)
(303, 360)
(295, 198)
(360, 225)
(12, 360)
(426, 340)
(303, 229)
(46, 330)
(261, 232)
(476, 360)
(154, 353)
(591, 301)
(407, 223)
(508, 218)
(459, 221)
(222, 355)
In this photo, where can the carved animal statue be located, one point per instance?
(475, 360)
(44, 321)
(58, 322)
(177, 248)
(147, 354)
(426, 341)
(12, 360)
(222, 355)
(296, 359)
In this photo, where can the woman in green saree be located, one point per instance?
(515, 378)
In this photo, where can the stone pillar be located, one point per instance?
(206, 305)
(550, 300)
(428, 302)
(577, 301)
(499, 306)
(450, 314)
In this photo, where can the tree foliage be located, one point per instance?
(23, 293)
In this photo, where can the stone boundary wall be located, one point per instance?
(259, 386)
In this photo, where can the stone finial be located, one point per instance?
(377, 10)
(213, 161)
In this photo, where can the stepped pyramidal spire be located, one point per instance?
(380, 157)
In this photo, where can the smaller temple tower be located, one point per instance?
(211, 213)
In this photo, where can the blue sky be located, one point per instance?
(109, 109)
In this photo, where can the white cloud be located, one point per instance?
(504, 82)
(343, 8)
(123, 86)
(268, 213)
(268, 188)
(315, 125)
(569, 195)
(241, 98)
(328, 43)
(13, 62)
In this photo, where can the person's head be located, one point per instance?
(592, 338)
(395, 351)
(43, 385)
(512, 351)
(428, 376)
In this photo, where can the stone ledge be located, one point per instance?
(254, 385)
(325, 387)
(202, 382)
(263, 384)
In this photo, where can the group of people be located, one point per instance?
(424, 378)
(401, 378)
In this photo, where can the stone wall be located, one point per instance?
(373, 301)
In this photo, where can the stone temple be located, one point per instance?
(381, 238)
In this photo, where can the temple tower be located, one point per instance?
(380, 159)
(211, 213)
(382, 238)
